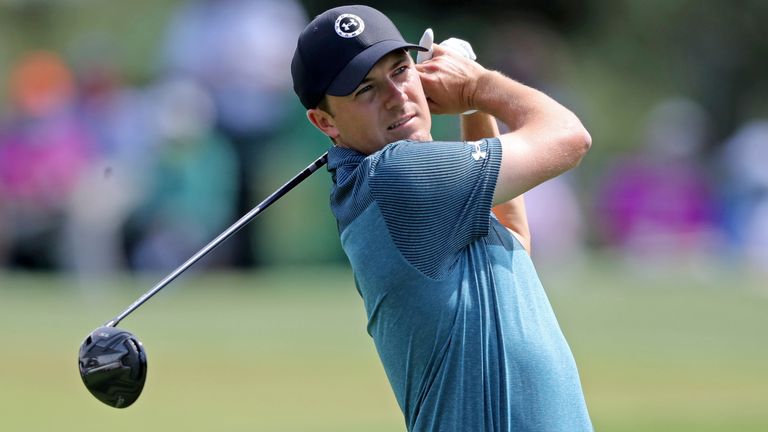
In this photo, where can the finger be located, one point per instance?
(427, 40)
(461, 46)
(434, 108)
(428, 81)
(438, 50)
(426, 68)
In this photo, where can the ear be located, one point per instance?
(323, 121)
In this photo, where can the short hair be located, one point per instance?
(324, 105)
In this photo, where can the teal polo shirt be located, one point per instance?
(456, 310)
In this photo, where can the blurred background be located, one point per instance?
(132, 133)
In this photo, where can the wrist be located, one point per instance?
(479, 90)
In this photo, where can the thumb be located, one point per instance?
(427, 41)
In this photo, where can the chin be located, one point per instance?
(417, 135)
(420, 136)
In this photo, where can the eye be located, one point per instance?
(401, 69)
(363, 90)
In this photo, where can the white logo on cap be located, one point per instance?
(349, 26)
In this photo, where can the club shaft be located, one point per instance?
(248, 217)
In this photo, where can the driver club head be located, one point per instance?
(113, 366)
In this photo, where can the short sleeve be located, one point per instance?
(435, 197)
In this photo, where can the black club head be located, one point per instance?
(113, 366)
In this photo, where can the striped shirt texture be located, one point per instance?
(458, 315)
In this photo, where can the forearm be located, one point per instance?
(478, 126)
(522, 107)
(511, 214)
(545, 139)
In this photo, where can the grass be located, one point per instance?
(286, 350)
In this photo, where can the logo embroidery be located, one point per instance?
(349, 25)
(478, 153)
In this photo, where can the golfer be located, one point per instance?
(436, 232)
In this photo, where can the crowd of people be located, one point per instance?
(100, 175)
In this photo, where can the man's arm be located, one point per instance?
(545, 138)
(510, 213)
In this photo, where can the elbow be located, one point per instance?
(584, 142)
(579, 141)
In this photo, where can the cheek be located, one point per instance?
(359, 125)
(417, 94)
(359, 119)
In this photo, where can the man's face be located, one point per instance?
(388, 106)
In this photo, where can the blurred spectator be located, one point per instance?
(557, 222)
(43, 150)
(120, 120)
(240, 50)
(659, 203)
(117, 113)
(190, 198)
(745, 158)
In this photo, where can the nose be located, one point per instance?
(395, 94)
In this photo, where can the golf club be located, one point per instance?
(112, 362)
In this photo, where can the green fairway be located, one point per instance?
(286, 350)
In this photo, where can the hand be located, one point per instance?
(427, 39)
(461, 46)
(449, 80)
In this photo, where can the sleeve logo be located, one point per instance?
(478, 153)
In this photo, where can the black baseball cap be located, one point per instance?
(337, 50)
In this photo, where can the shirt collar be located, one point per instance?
(339, 156)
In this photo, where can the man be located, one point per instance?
(460, 320)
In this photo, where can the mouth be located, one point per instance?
(399, 123)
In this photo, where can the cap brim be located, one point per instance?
(353, 74)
